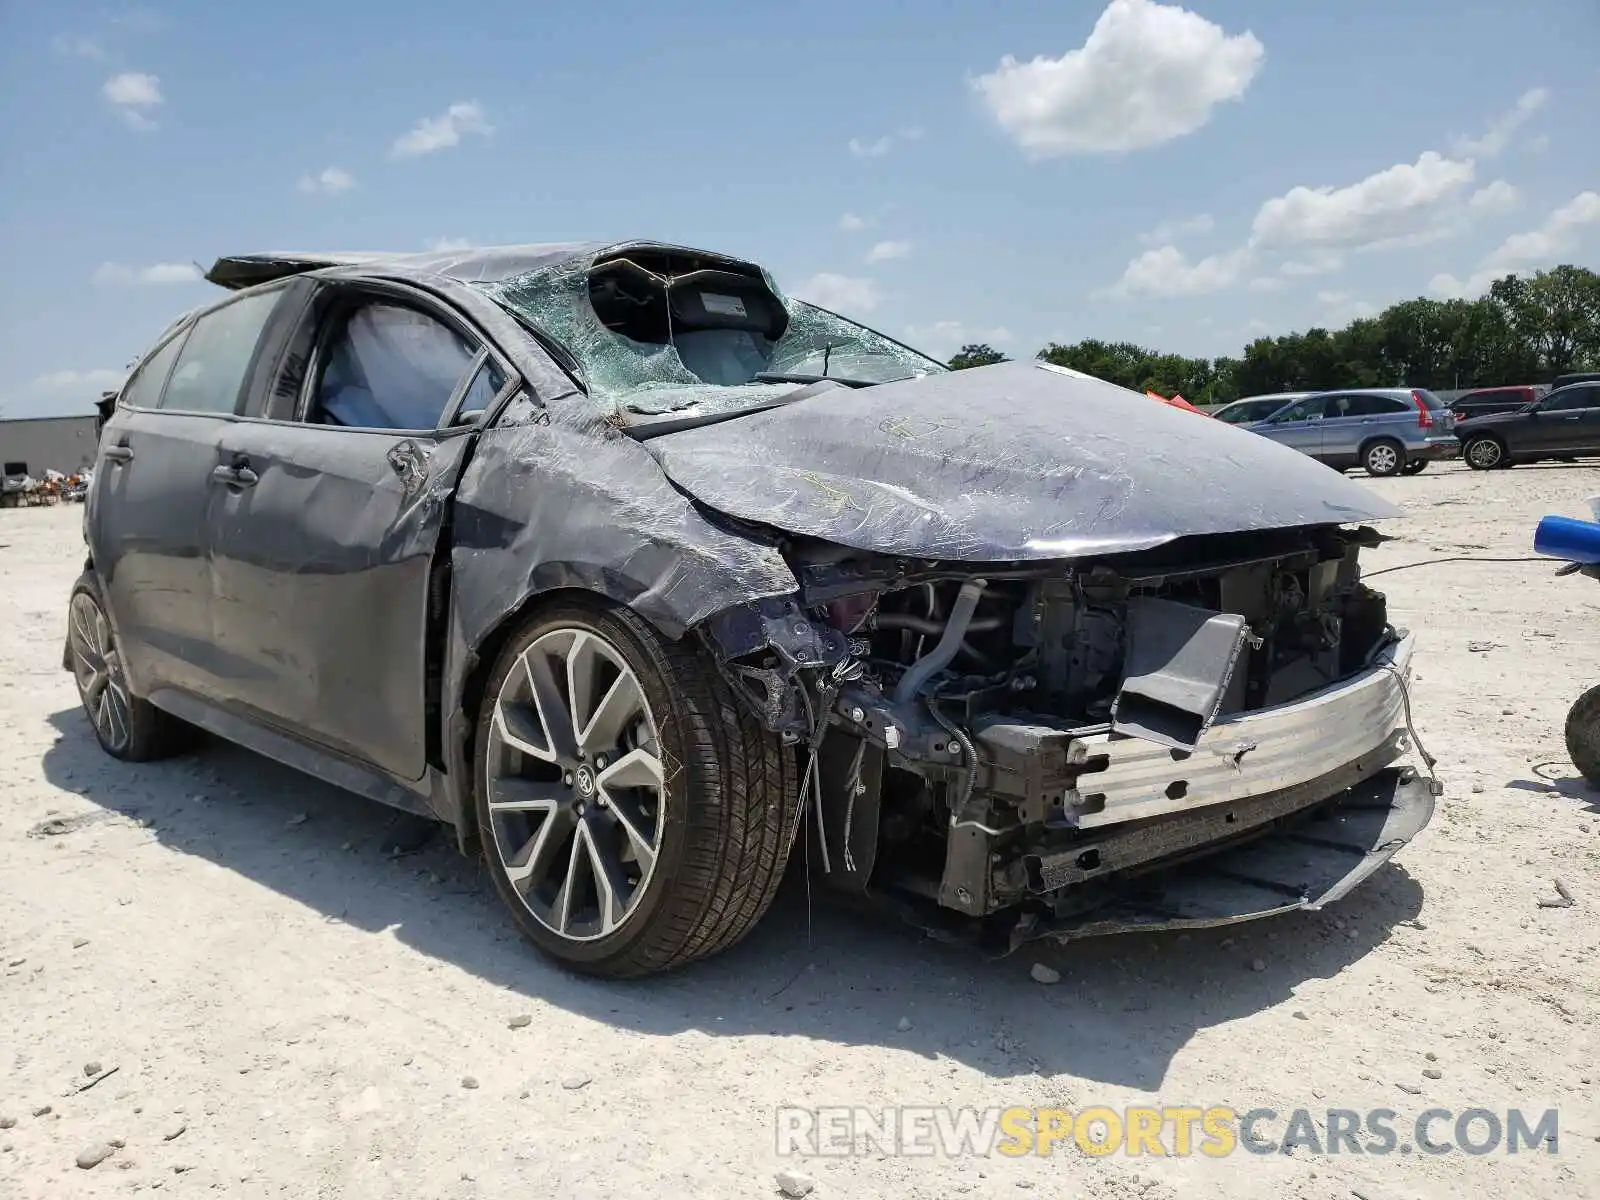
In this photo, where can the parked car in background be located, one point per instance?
(1483, 401)
(1563, 424)
(1255, 408)
(643, 576)
(1385, 431)
(1561, 381)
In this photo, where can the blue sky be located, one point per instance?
(947, 171)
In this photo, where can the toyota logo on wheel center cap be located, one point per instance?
(585, 781)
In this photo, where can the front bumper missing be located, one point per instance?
(1268, 750)
(1302, 865)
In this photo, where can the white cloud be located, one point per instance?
(1561, 232)
(1171, 231)
(78, 47)
(132, 96)
(944, 338)
(1265, 283)
(120, 274)
(884, 251)
(1504, 127)
(853, 222)
(1395, 201)
(842, 293)
(1147, 74)
(876, 148)
(330, 181)
(1497, 197)
(1318, 262)
(98, 380)
(1167, 271)
(440, 133)
(445, 245)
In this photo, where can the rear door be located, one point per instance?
(1355, 419)
(147, 509)
(324, 533)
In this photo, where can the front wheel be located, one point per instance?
(1583, 735)
(634, 816)
(1484, 453)
(1383, 458)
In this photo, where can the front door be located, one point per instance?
(1298, 426)
(1568, 422)
(324, 532)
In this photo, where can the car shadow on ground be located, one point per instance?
(1572, 786)
(1124, 1007)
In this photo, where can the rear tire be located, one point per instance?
(1383, 457)
(1485, 453)
(1583, 735)
(1416, 466)
(636, 841)
(126, 726)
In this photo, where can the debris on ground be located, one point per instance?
(794, 1184)
(1044, 974)
(1563, 897)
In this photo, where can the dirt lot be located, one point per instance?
(320, 1018)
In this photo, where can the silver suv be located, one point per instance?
(1384, 430)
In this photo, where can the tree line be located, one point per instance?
(1524, 330)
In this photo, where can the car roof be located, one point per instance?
(1284, 396)
(480, 264)
(1504, 387)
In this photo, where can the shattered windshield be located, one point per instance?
(662, 332)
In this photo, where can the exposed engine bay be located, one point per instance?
(999, 743)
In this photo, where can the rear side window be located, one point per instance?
(211, 369)
(144, 389)
(1429, 400)
(1373, 406)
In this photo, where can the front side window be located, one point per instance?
(216, 355)
(1302, 410)
(390, 367)
(144, 389)
(1578, 397)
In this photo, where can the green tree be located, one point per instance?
(1526, 330)
(976, 354)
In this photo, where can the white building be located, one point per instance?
(34, 445)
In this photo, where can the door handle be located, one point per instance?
(121, 453)
(235, 476)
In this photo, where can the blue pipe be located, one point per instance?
(1566, 538)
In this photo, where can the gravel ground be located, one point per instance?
(266, 1002)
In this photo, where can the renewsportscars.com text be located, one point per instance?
(1213, 1132)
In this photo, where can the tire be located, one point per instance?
(126, 726)
(1485, 453)
(1583, 735)
(1383, 457)
(1416, 466)
(721, 793)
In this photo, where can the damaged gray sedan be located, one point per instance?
(648, 579)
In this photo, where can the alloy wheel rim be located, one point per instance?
(1485, 453)
(1382, 458)
(575, 787)
(97, 667)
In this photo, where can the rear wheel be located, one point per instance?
(1416, 466)
(1583, 735)
(1484, 453)
(1383, 457)
(125, 726)
(634, 816)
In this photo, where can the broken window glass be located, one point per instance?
(653, 335)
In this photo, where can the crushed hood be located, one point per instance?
(1013, 462)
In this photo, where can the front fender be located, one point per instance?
(562, 507)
